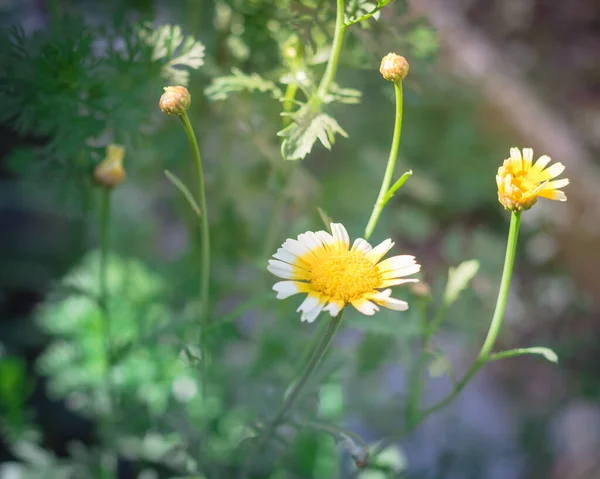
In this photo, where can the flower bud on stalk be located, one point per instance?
(394, 67)
(175, 100)
(110, 172)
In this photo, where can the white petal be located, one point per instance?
(400, 272)
(286, 271)
(295, 247)
(361, 245)
(556, 184)
(334, 307)
(310, 240)
(325, 237)
(287, 257)
(312, 314)
(528, 156)
(379, 251)
(341, 235)
(365, 307)
(285, 289)
(554, 170)
(393, 303)
(541, 162)
(396, 281)
(396, 262)
(515, 154)
(309, 303)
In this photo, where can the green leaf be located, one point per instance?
(390, 459)
(174, 49)
(397, 185)
(440, 366)
(184, 191)
(325, 218)
(458, 280)
(309, 126)
(238, 81)
(511, 353)
(343, 95)
(363, 10)
(423, 41)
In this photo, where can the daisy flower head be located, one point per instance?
(520, 181)
(334, 274)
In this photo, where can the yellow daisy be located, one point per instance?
(334, 274)
(520, 182)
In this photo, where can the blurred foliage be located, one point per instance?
(78, 87)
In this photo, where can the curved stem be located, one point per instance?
(391, 164)
(509, 261)
(293, 394)
(484, 354)
(334, 56)
(204, 231)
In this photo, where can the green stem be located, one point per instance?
(288, 102)
(294, 392)
(334, 56)
(103, 286)
(204, 232)
(509, 261)
(391, 164)
(484, 355)
(416, 382)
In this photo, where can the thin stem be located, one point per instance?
(288, 102)
(416, 389)
(294, 392)
(391, 164)
(509, 261)
(334, 56)
(103, 286)
(484, 354)
(204, 231)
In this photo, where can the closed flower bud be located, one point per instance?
(110, 172)
(394, 67)
(175, 100)
(421, 290)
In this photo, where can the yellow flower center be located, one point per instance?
(344, 275)
(524, 182)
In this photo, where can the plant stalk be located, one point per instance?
(293, 394)
(204, 228)
(391, 164)
(484, 354)
(334, 56)
(105, 209)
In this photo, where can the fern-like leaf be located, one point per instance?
(175, 50)
(309, 125)
(238, 81)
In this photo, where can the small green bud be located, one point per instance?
(175, 100)
(394, 67)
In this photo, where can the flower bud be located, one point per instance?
(110, 172)
(394, 67)
(175, 100)
(421, 290)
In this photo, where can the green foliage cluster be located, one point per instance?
(76, 87)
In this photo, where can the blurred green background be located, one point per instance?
(485, 76)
